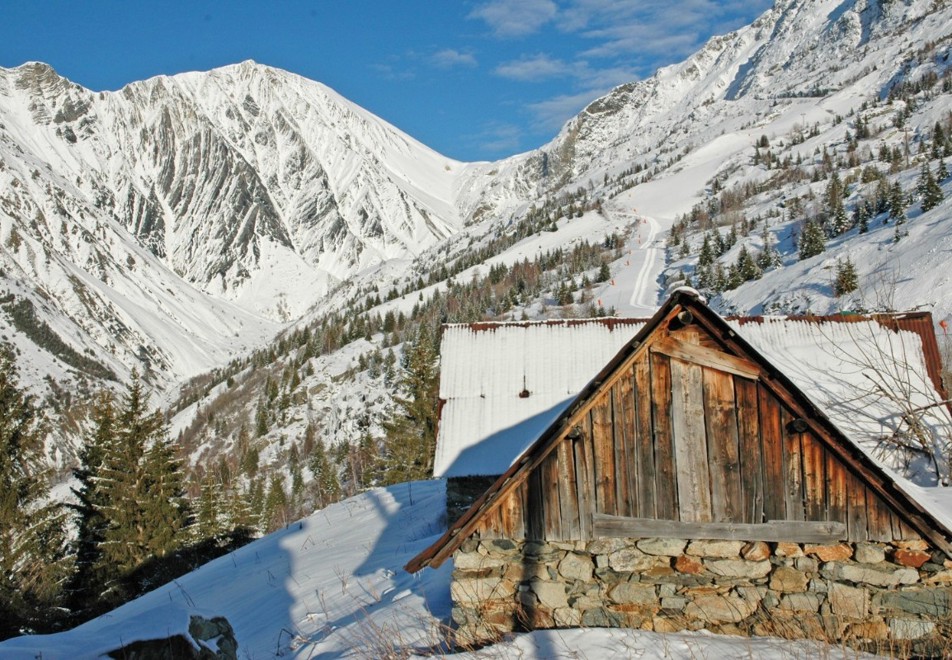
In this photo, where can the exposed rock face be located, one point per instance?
(197, 645)
(862, 594)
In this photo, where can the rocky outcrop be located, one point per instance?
(197, 645)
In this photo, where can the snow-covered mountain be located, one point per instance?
(183, 220)
(180, 218)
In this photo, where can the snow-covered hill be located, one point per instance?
(333, 586)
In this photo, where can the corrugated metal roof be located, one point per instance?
(502, 384)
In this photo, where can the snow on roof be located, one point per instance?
(863, 373)
(503, 383)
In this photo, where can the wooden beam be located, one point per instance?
(706, 357)
(690, 444)
(796, 531)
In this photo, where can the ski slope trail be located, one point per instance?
(633, 289)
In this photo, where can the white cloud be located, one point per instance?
(533, 68)
(449, 58)
(508, 18)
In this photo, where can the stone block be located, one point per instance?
(477, 590)
(657, 573)
(910, 628)
(674, 603)
(826, 553)
(576, 566)
(875, 630)
(665, 547)
(634, 593)
(472, 561)
(738, 568)
(662, 624)
(631, 560)
(755, 551)
(723, 549)
(788, 580)
(912, 544)
(911, 558)
(788, 550)
(586, 602)
(929, 602)
(606, 546)
(849, 602)
(728, 608)
(942, 577)
(869, 553)
(501, 546)
(600, 617)
(689, 565)
(877, 575)
(550, 594)
(567, 617)
(806, 564)
(801, 602)
(525, 571)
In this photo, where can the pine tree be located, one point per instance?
(276, 511)
(836, 212)
(411, 431)
(746, 266)
(324, 476)
(32, 545)
(812, 240)
(846, 279)
(142, 486)
(930, 190)
(210, 512)
(90, 579)
(897, 204)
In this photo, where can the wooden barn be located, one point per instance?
(695, 483)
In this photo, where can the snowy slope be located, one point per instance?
(333, 586)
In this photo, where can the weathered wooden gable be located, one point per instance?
(687, 430)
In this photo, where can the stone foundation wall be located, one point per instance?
(866, 594)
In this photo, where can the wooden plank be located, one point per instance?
(877, 518)
(799, 531)
(623, 423)
(814, 478)
(666, 491)
(771, 435)
(550, 490)
(585, 476)
(604, 454)
(751, 452)
(856, 509)
(690, 444)
(792, 469)
(644, 488)
(706, 357)
(535, 507)
(720, 420)
(568, 491)
(836, 489)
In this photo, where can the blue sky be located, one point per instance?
(474, 79)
